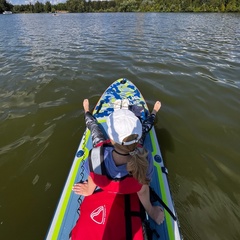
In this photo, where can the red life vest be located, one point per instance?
(125, 185)
(114, 211)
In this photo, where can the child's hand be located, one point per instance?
(81, 189)
(157, 214)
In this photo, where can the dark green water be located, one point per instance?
(191, 62)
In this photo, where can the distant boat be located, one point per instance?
(7, 12)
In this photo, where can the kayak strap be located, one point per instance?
(129, 213)
(128, 224)
(156, 198)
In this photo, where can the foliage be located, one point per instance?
(5, 6)
(48, 7)
(38, 7)
(79, 6)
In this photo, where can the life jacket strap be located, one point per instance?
(128, 224)
(96, 161)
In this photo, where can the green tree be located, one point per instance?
(38, 7)
(96, 5)
(129, 6)
(111, 5)
(60, 7)
(5, 6)
(48, 7)
(75, 5)
(186, 5)
(222, 8)
(231, 6)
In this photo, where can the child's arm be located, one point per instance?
(92, 125)
(85, 188)
(155, 212)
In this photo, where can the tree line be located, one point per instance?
(81, 6)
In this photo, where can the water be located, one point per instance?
(49, 64)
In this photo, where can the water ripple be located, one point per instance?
(41, 137)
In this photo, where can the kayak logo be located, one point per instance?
(99, 214)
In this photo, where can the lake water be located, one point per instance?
(49, 64)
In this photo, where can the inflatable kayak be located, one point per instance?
(67, 212)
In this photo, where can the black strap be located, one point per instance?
(155, 197)
(103, 167)
(96, 161)
(128, 224)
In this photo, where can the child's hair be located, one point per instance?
(137, 166)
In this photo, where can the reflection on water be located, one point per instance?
(49, 65)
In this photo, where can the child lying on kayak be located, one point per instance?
(124, 131)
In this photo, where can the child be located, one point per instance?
(124, 157)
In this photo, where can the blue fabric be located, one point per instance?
(118, 171)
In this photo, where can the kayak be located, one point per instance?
(67, 211)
